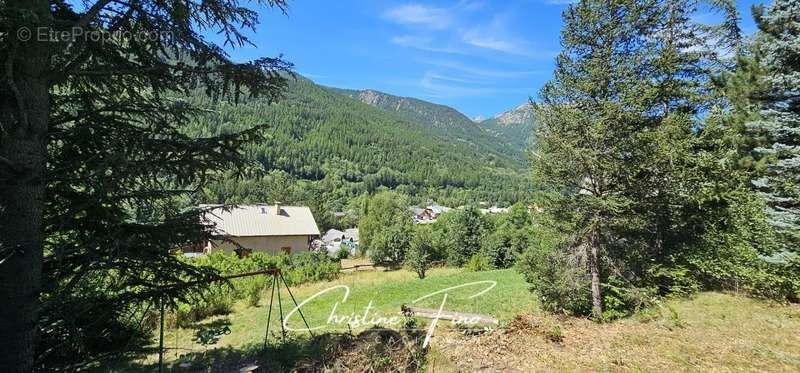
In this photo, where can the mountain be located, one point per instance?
(325, 149)
(442, 119)
(514, 126)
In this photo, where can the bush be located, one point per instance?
(561, 283)
(479, 262)
(343, 252)
(419, 251)
(219, 297)
(466, 229)
(390, 246)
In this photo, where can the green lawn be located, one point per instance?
(386, 291)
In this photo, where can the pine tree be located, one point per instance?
(778, 43)
(96, 171)
(616, 133)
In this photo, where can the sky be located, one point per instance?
(481, 57)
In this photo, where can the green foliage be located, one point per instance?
(385, 228)
(466, 229)
(343, 252)
(117, 169)
(640, 184)
(479, 262)
(561, 284)
(777, 42)
(512, 235)
(330, 149)
(418, 257)
(445, 121)
(218, 298)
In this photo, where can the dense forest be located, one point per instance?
(323, 149)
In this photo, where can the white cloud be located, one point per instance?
(480, 73)
(436, 85)
(416, 14)
(493, 43)
(423, 43)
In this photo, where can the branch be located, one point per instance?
(10, 165)
(92, 12)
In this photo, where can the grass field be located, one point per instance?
(383, 292)
(712, 331)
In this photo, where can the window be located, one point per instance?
(286, 250)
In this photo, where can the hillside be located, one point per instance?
(442, 119)
(514, 126)
(329, 148)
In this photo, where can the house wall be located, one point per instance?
(268, 244)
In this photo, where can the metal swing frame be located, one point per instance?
(274, 273)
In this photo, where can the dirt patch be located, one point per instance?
(373, 350)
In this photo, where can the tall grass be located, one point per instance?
(219, 298)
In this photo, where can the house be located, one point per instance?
(332, 235)
(334, 238)
(351, 234)
(428, 214)
(436, 210)
(273, 229)
(494, 210)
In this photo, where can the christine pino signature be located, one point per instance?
(370, 317)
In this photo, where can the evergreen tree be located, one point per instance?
(778, 44)
(616, 133)
(95, 167)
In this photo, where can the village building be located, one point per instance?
(334, 238)
(428, 214)
(273, 229)
(494, 210)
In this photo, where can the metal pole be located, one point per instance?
(296, 305)
(161, 338)
(269, 313)
(280, 309)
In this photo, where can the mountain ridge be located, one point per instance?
(444, 119)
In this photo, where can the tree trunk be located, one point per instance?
(24, 112)
(594, 270)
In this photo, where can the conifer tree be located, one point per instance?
(778, 46)
(95, 166)
(616, 132)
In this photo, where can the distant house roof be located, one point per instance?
(262, 220)
(351, 233)
(416, 210)
(332, 235)
(438, 209)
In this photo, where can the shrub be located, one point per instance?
(479, 262)
(419, 252)
(561, 282)
(466, 229)
(343, 252)
(390, 246)
(219, 298)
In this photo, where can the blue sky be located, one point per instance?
(480, 57)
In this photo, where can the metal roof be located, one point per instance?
(262, 220)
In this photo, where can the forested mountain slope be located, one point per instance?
(442, 119)
(514, 126)
(329, 149)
